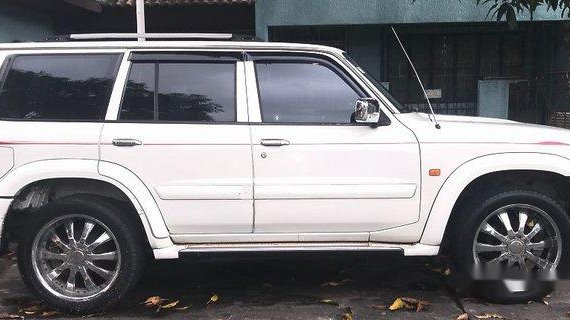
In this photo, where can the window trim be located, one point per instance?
(188, 57)
(9, 62)
(185, 56)
(6, 66)
(291, 57)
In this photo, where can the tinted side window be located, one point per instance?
(138, 101)
(58, 87)
(192, 92)
(308, 92)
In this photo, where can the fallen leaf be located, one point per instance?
(160, 303)
(545, 302)
(48, 314)
(464, 316)
(183, 308)
(10, 316)
(331, 284)
(170, 305)
(329, 301)
(213, 299)
(334, 283)
(92, 315)
(153, 301)
(436, 270)
(398, 304)
(346, 316)
(490, 316)
(447, 272)
(31, 309)
(420, 306)
(408, 303)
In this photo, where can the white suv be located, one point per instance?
(114, 151)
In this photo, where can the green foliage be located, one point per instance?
(508, 9)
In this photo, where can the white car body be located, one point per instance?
(332, 188)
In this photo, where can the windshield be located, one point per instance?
(378, 85)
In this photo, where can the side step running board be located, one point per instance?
(177, 251)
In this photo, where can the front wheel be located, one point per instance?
(511, 232)
(81, 254)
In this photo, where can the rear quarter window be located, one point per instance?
(57, 86)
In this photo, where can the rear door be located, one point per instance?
(182, 129)
(317, 172)
(53, 102)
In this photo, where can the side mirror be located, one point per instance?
(367, 110)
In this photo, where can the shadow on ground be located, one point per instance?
(294, 288)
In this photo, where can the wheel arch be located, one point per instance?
(139, 197)
(474, 171)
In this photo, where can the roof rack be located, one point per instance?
(201, 36)
(153, 36)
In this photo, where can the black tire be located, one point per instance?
(122, 226)
(474, 212)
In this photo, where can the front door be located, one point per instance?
(316, 170)
(182, 131)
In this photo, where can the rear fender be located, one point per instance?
(124, 180)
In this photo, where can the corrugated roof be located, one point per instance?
(177, 2)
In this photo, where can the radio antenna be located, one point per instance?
(437, 126)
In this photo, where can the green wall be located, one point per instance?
(358, 12)
(21, 24)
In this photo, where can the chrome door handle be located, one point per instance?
(274, 142)
(126, 142)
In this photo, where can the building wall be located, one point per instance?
(22, 24)
(342, 12)
(168, 19)
(546, 61)
(365, 45)
(552, 65)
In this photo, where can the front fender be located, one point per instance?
(461, 177)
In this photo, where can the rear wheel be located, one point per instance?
(506, 239)
(81, 254)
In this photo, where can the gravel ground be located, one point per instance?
(292, 288)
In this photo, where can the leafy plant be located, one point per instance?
(508, 9)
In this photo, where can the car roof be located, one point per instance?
(149, 44)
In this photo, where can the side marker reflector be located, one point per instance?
(435, 172)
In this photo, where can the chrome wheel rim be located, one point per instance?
(518, 235)
(76, 257)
